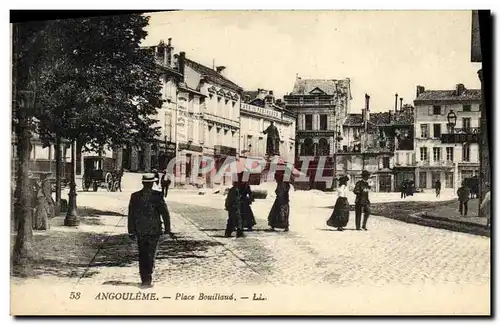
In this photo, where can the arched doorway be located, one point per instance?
(323, 147)
(308, 147)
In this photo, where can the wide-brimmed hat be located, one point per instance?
(365, 173)
(148, 178)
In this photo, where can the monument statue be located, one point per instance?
(273, 140)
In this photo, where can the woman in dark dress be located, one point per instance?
(280, 212)
(340, 214)
(246, 199)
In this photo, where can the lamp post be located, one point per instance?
(452, 122)
(71, 219)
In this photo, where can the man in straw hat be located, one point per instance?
(362, 202)
(144, 223)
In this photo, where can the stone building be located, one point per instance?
(320, 106)
(442, 153)
(257, 111)
(219, 119)
(158, 154)
(367, 143)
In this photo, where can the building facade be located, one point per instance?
(159, 153)
(320, 106)
(442, 153)
(405, 162)
(257, 111)
(367, 143)
(219, 115)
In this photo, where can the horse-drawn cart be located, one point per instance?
(99, 172)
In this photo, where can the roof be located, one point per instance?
(383, 118)
(404, 117)
(251, 94)
(437, 95)
(319, 86)
(213, 75)
(353, 119)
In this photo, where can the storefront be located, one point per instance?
(221, 153)
(188, 155)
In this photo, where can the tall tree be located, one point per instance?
(98, 87)
(26, 54)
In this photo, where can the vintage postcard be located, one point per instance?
(251, 163)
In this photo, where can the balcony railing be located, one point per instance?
(440, 163)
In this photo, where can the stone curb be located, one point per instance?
(441, 223)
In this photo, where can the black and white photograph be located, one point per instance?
(257, 162)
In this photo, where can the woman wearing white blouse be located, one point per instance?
(340, 214)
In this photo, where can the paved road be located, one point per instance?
(391, 252)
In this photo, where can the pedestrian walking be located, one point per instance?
(233, 208)
(246, 199)
(146, 210)
(280, 212)
(156, 184)
(437, 186)
(340, 214)
(404, 189)
(362, 203)
(120, 176)
(165, 183)
(463, 198)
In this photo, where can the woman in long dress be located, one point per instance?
(246, 199)
(340, 214)
(280, 212)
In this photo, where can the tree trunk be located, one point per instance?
(23, 245)
(58, 174)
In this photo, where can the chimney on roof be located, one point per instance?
(420, 90)
(247, 98)
(270, 97)
(460, 89)
(168, 53)
(367, 107)
(401, 103)
(396, 103)
(390, 116)
(182, 63)
(220, 70)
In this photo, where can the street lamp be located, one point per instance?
(71, 219)
(452, 121)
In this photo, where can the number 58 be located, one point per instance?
(74, 295)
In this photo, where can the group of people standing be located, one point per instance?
(240, 214)
(340, 215)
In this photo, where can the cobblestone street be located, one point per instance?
(391, 252)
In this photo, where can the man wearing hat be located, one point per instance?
(144, 223)
(362, 202)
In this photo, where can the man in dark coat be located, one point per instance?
(146, 210)
(404, 189)
(463, 198)
(165, 183)
(437, 186)
(362, 203)
(233, 208)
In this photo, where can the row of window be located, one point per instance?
(438, 110)
(436, 153)
(436, 128)
(308, 121)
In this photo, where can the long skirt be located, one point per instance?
(279, 214)
(340, 214)
(247, 216)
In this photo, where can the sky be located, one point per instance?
(382, 52)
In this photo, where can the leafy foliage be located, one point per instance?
(96, 85)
